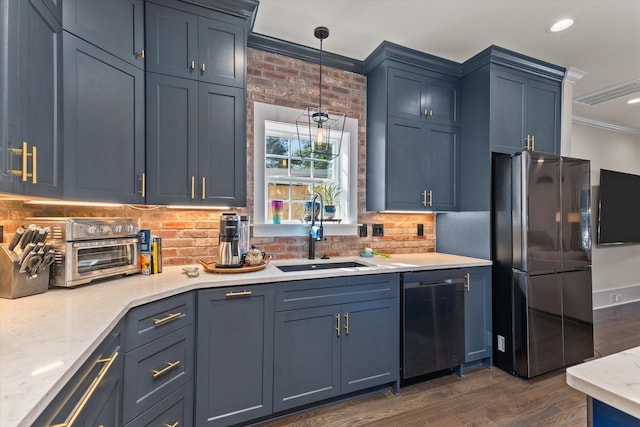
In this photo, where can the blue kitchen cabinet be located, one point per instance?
(196, 107)
(30, 110)
(104, 149)
(196, 142)
(412, 131)
(93, 396)
(114, 26)
(477, 316)
(196, 43)
(234, 355)
(333, 337)
(506, 97)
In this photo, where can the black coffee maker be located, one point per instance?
(228, 247)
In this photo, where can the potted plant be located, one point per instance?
(330, 193)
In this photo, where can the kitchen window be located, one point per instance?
(284, 171)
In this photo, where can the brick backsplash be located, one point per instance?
(192, 234)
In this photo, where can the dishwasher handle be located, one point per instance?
(444, 282)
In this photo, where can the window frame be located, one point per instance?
(276, 113)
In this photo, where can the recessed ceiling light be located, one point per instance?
(562, 24)
(633, 101)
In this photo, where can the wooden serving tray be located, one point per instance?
(211, 267)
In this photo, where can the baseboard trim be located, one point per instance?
(617, 296)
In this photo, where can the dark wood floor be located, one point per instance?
(484, 396)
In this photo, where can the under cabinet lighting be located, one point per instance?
(73, 203)
(198, 207)
(561, 25)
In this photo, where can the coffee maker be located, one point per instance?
(228, 247)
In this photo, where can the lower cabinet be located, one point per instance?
(323, 351)
(94, 395)
(174, 410)
(234, 355)
(477, 315)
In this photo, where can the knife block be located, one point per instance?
(14, 284)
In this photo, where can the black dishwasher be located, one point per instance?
(432, 328)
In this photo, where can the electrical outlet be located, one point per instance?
(377, 229)
(363, 230)
(420, 229)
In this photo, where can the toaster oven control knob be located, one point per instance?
(117, 229)
(104, 229)
(129, 228)
(90, 230)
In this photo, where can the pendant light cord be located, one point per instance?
(320, 106)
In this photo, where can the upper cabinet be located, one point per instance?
(525, 112)
(413, 133)
(196, 107)
(103, 72)
(510, 102)
(206, 48)
(30, 108)
(114, 26)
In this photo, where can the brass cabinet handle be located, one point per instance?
(143, 189)
(528, 141)
(193, 187)
(170, 366)
(203, 67)
(193, 65)
(467, 284)
(424, 198)
(238, 294)
(338, 324)
(87, 394)
(172, 425)
(428, 113)
(346, 323)
(533, 143)
(430, 198)
(34, 166)
(204, 186)
(141, 54)
(170, 316)
(23, 152)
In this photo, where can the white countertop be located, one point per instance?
(613, 379)
(45, 338)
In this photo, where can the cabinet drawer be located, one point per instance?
(154, 320)
(174, 410)
(339, 290)
(156, 369)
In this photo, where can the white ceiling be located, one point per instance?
(604, 41)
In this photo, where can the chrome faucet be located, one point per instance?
(315, 232)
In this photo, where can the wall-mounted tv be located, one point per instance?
(618, 208)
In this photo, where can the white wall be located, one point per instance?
(614, 267)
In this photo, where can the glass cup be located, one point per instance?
(276, 211)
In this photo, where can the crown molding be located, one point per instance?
(573, 75)
(606, 126)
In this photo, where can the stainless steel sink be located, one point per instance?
(320, 266)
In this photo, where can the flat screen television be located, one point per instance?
(618, 208)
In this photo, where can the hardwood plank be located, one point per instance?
(484, 397)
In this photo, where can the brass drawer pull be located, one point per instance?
(238, 294)
(141, 54)
(172, 425)
(87, 395)
(170, 366)
(346, 323)
(170, 316)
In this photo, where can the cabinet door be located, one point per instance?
(369, 344)
(235, 355)
(442, 174)
(115, 26)
(222, 150)
(406, 165)
(221, 50)
(31, 109)
(477, 315)
(103, 125)
(442, 98)
(172, 41)
(543, 116)
(507, 112)
(406, 94)
(172, 123)
(307, 356)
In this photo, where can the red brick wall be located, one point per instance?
(192, 234)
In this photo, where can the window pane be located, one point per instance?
(301, 168)
(278, 191)
(277, 145)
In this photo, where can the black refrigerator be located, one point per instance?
(541, 249)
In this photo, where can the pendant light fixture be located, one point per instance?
(320, 130)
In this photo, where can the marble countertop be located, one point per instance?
(613, 379)
(45, 338)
